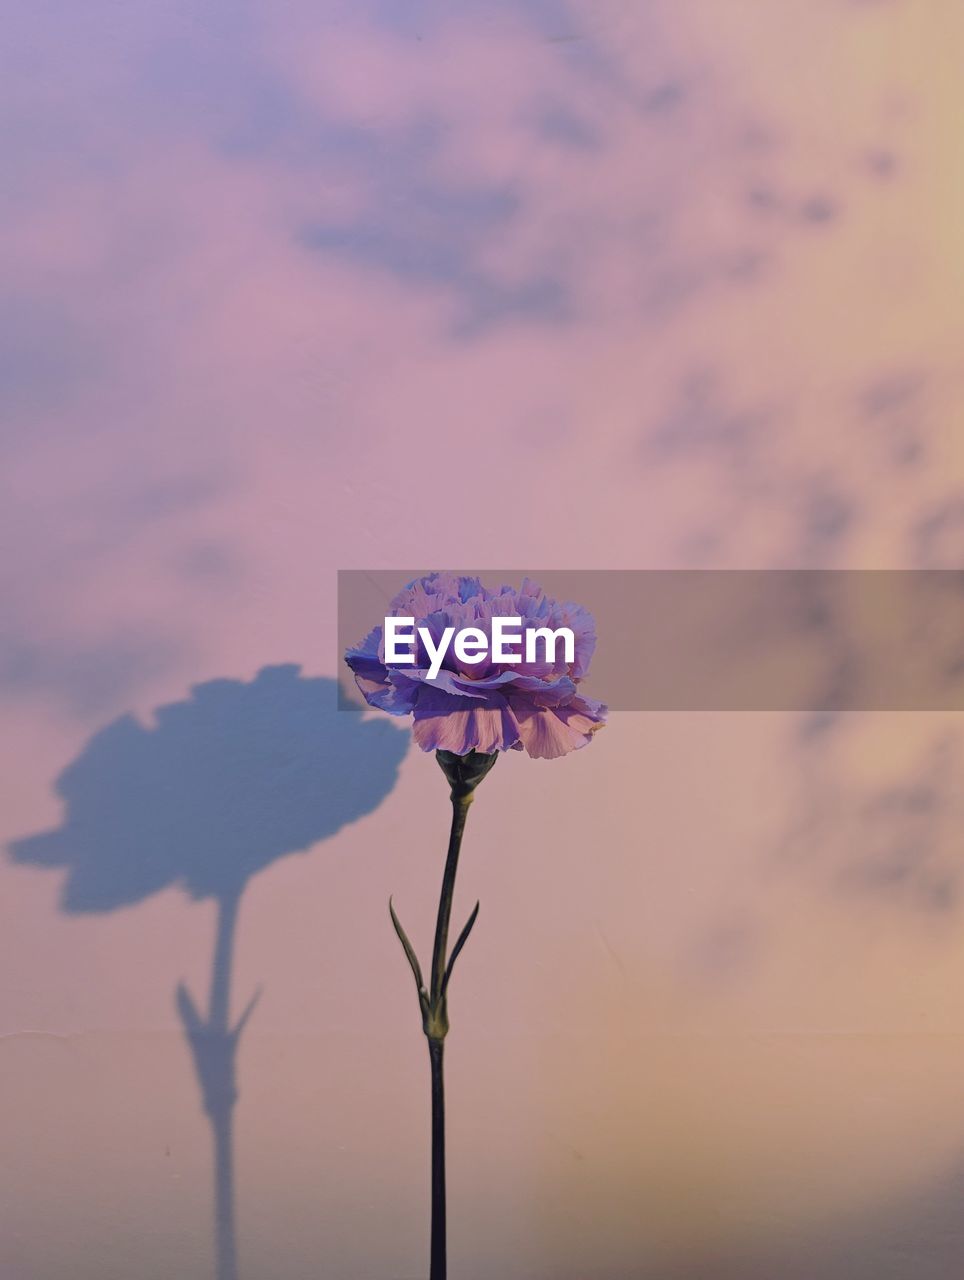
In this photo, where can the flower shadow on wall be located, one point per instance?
(225, 782)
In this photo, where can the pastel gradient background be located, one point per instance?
(291, 287)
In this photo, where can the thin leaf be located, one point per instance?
(409, 949)
(463, 938)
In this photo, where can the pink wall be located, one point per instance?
(294, 287)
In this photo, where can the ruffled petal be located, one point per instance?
(484, 706)
(549, 733)
(445, 723)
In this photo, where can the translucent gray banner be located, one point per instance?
(736, 640)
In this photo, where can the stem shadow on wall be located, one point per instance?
(218, 787)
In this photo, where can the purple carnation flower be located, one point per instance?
(487, 706)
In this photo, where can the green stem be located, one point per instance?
(436, 1042)
(438, 1254)
(460, 808)
(464, 773)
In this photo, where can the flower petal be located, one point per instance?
(447, 723)
(553, 732)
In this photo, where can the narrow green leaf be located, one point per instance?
(463, 938)
(409, 949)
